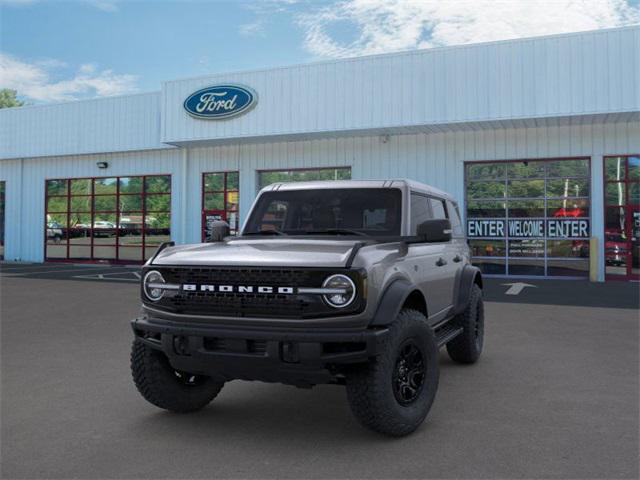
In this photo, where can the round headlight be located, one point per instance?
(151, 285)
(344, 291)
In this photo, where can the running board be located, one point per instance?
(446, 333)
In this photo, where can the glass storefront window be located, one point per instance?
(525, 170)
(220, 200)
(526, 248)
(533, 215)
(569, 187)
(622, 217)
(525, 188)
(525, 208)
(568, 168)
(569, 208)
(105, 219)
(615, 193)
(486, 171)
(486, 209)
(486, 190)
(487, 248)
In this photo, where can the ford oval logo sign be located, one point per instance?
(220, 101)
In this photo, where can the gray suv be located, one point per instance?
(355, 283)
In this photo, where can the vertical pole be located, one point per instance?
(597, 215)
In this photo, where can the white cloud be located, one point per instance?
(252, 29)
(34, 80)
(390, 25)
(104, 5)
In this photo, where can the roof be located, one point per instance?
(332, 184)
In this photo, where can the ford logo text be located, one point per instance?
(220, 102)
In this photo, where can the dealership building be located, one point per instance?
(538, 139)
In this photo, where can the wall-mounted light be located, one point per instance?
(384, 138)
(102, 164)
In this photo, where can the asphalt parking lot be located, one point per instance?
(555, 395)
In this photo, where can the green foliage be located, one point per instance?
(8, 98)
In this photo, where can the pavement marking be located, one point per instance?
(38, 272)
(111, 276)
(516, 288)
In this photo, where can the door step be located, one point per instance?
(446, 333)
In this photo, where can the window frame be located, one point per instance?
(117, 213)
(225, 203)
(627, 206)
(546, 178)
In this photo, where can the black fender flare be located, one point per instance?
(391, 302)
(466, 278)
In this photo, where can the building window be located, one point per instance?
(220, 200)
(2, 187)
(107, 219)
(529, 218)
(267, 177)
(622, 217)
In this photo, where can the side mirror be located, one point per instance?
(437, 230)
(217, 231)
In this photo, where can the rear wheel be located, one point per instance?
(165, 387)
(467, 347)
(394, 393)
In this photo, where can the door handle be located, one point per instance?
(441, 262)
(457, 259)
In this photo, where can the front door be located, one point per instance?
(622, 217)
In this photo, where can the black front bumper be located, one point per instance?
(272, 355)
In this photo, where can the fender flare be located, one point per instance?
(467, 277)
(391, 302)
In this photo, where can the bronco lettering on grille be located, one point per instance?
(192, 287)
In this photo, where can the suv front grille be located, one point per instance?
(251, 304)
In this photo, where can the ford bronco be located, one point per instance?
(356, 283)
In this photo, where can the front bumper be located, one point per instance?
(300, 358)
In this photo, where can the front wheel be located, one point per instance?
(163, 386)
(394, 393)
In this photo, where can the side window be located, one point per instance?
(438, 208)
(420, 211)
(454, 216)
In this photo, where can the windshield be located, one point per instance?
(339, 211)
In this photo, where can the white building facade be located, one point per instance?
(538, 139)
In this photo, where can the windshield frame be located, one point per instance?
(299, 234)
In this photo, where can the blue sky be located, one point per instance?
(54, 51)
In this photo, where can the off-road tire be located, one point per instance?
(159, 384)
(370, 388)
(467, 347)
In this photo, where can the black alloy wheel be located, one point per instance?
(408, 374)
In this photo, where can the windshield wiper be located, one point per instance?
(336, 231)
(264, 232)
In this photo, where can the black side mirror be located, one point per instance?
(217, 231)
(437, 230)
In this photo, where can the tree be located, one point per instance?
(8, 98)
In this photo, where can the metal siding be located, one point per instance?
(92, 126)
(557, 76)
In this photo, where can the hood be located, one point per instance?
(281, 252)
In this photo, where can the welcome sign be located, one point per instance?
(528, 228)
(220, 102)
